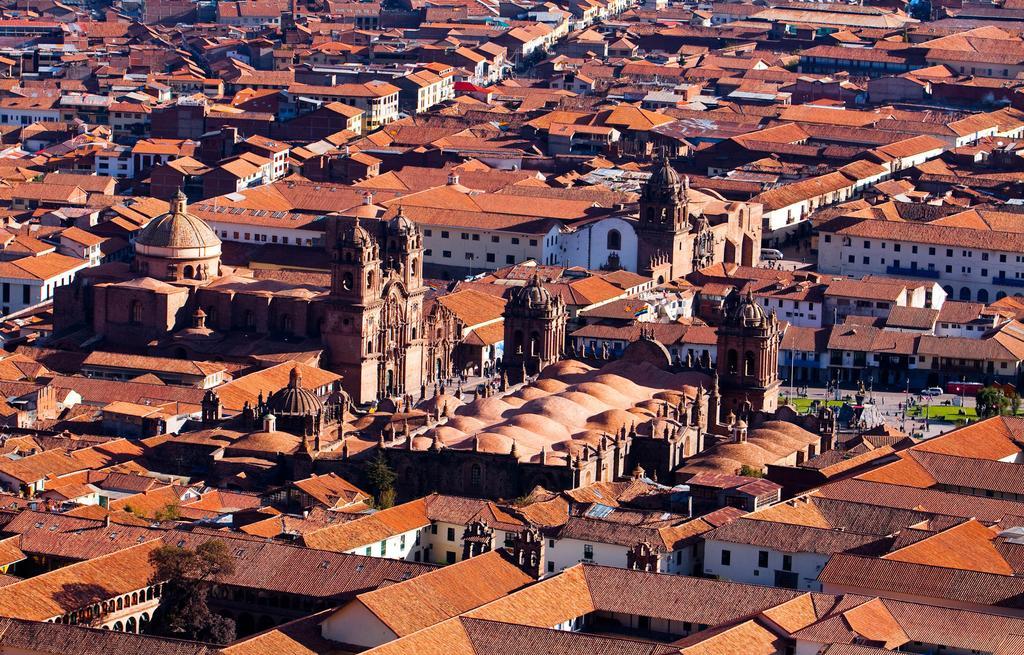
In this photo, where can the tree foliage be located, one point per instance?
(991, 401)
(187, 576)
(751, 471)
(382, 480)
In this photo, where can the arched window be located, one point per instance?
(614, 240)
(1000, 295)
(136, 312)
(534, 343)
(369, 280)
(346, 282)
(748, 363)
(414, 267)
(189, 272)
(983, 295)
(733, 361)
(286, 323)
(949, 290)
(965, 294)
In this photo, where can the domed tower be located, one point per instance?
(664, 224)
(748, 356)
(177, 246)
(355, 261)
(404, 250)
(534, 329)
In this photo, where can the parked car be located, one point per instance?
(932, 391)
(771, 254)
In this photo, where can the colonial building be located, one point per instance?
(176, 298)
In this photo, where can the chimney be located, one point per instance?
(453, 178)
(368, 198)
(270, 423)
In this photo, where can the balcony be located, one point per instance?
(1007, 281)
(900, 271)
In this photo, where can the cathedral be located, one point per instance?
(177, 299)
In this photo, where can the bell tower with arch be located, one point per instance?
(748, 357)
(534, 329)
(663, 249)
(373, 319)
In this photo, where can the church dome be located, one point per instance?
(664, 183)
(532, 295)
(177, 229)
(742, 309)
(293, 400)
(356, 234)
(401, 224)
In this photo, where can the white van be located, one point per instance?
(771, 254)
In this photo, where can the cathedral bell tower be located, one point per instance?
(373, 318)
(748, 357)
(534, 330)
(664, 224)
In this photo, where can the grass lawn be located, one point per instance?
(801, 405)
(943, 413)
(935, 412)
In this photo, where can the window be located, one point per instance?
(449, 557)
(428, 232)
(1002, 258)
(510, 259)
(867, 245)
(828, 238)
(551, 567)
(451, 534)
(588, 552)
(495, 239)
(515, 241)
(25, 294)
(476, 237)
(614, 240)
(787, 562)
(136, 312)
(949, 252)
(444, 234)
(475, 475)
(867, 260)
(533, 242)
(433, 528)
(726, 557)
(762, 559)
(850, 259)
(465, 236)
(949, 269)
(490, 257)
(447, 254)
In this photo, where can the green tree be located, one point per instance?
(382, 480)
(751, 471)
(169, 512)
(991, 401)
(187, 576)
(1015, 404)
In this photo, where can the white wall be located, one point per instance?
(587, 246)
(355, 624)
(743, 565)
